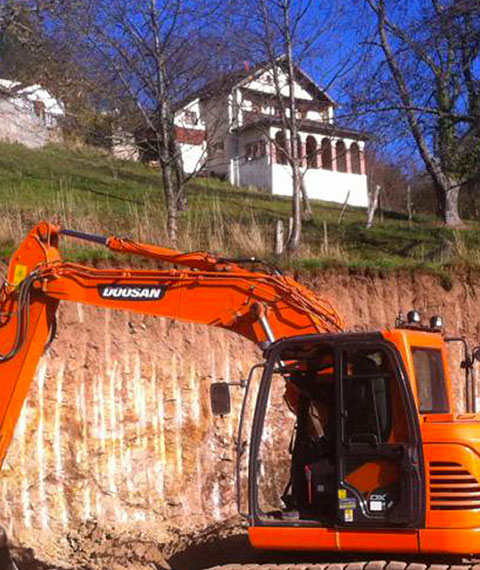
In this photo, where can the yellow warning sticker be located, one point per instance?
(19, 274)
(348, 515)
(342, 493)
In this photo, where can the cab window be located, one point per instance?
(430, 378)
(367, 395)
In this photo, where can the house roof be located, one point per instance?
(33, 93)
(305, 125)
(226, 82)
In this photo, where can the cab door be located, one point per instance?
(379, 453)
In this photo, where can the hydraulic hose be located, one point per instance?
(23, 317)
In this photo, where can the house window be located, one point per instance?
(341, 156)
(281, 148)
(251, 151)
(247, 105)
(327, 154)
(39, 109)
(218, 147)
(190, 118)
(255, 150)
(299, 114)
(355, 159)
(311, 152)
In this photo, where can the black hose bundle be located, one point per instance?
(23, 317)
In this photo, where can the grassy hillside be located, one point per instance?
(89, 191)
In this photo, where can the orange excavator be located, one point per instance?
(353, 445)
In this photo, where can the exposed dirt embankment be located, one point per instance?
(117, 452)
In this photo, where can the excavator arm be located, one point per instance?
(262, 306)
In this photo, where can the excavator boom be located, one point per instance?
(261, 306)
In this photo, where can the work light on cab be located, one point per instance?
(436, 323)
(413, 317)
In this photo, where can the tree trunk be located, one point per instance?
(296, 235)
(176, 160)
(372, 206)
(170, 201)
(447, 198)
(307, 213)
(295, 160)
(172, 227)
(278, 238)
(447, 190)
(451, 214)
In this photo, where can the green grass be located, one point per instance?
(89, 191)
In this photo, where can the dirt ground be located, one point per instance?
(117, 462)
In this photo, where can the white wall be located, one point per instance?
(261, 85)
(323, 116)
(323, 185)
(329, 185)
(265, 83)
(19, 125)
(193, 156)
(180, 119)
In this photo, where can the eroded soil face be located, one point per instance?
(117, 460)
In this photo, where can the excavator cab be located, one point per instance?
(351, 456)
(355, 445)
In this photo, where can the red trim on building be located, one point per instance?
(363, 165)
(189, 136)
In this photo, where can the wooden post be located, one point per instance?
(343, 208)
(372, 206)
(279, 237)
(380, 206)
(290, 228)
(325, 238)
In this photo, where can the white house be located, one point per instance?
(232, 128)
(28, 114)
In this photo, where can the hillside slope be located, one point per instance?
(90, 191)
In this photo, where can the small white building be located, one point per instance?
(232, 128)
(29, 115)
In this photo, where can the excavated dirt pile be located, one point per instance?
(117, 461)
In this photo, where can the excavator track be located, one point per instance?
(372, 565)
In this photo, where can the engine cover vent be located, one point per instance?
(452, 487)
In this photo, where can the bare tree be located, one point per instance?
(141, 42)
(135, 60)
(281, 20)
(424, 75)
(289, 111)
(278, 33)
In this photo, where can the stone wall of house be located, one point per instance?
(18, 125)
